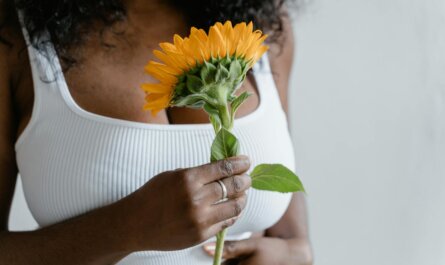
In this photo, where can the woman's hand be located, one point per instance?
(176, 209)
(265, 251)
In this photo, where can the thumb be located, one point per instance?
(236, 249)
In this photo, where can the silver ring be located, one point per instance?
(224, 190)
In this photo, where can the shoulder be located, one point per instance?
(281, 56)
(13, 54)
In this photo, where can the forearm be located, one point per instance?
(97, 237)
(294, 223)
(293, 228)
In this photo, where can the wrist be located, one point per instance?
(126, 225)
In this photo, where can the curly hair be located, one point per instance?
(67, 20)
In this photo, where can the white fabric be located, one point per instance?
(72, 161)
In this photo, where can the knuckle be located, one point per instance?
(188, 184)
(187, 176)
(228, 223)
(190, 200)
(237, 207)
(238, 184)
(225, 167)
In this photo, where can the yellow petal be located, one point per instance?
(217, 43)
(152, 66)
(161, 75)
(157, 101)
(158, 88)
(171, 59)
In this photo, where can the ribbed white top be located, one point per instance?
(72, 161)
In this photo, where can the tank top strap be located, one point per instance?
(44, 75)
(266, 85)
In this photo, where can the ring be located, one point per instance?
(224, 190)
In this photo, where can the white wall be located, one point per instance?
(367, 113)
(20, 218)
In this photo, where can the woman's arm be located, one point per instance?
(293, 225)
(83, 240)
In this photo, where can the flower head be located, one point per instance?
(203, 68)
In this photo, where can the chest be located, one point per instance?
(106, 81)
(113, 90)
(69, 168)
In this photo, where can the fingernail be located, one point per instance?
(210, 248)
(245, 159)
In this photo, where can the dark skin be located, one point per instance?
(99, 84)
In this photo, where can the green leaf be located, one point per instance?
(194, 84)
(214, 118)
(225, 145)
(236, 103)
(275, 177)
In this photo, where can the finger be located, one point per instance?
(214, 229)
(237, 249)
(234, 249)
(235, 185)
(226, 210)
(220, 169)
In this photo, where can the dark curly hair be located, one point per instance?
(66, 20)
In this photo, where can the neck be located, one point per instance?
(145, 6)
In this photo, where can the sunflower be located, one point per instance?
(203, 70)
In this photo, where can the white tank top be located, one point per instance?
(72, 161)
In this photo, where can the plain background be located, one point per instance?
(368, 123)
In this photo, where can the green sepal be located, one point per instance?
(180, 89)
(225, 145)
(275, 177)
(191, 100)
(235, 70)
(210, 109)
(226, 61)
(194, 84)
(208, 72)
(221, 73)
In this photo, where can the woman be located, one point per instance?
(108, 183)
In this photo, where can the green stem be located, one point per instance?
(227, 123)
(219, 247)
(226, 117)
